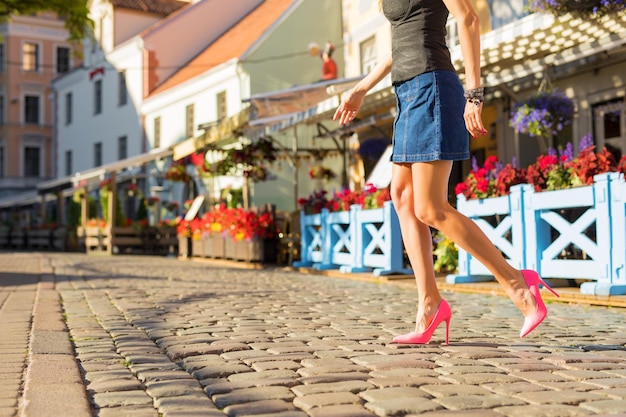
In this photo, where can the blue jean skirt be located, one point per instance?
(429, 123)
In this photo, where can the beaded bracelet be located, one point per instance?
(475, 95)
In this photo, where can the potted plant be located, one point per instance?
(579, 8)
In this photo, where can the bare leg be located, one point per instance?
(430, 185)
(418, 244)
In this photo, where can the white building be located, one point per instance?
(136, 47)
(265, 51)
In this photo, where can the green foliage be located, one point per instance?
(73, 12)
(446, 254)
(142, 210)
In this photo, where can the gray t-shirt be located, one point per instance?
(418, 37)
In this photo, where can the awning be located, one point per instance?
(296, 102)
(95, 173)
(525, 47)
(228, 128)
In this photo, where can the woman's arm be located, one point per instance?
(468, 26)
(352, 100)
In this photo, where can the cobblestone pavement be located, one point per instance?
(164, 337)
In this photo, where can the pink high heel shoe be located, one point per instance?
(531, 322)
(444, 313)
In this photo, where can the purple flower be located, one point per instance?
(585, 142)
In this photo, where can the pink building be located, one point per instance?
(33, 50)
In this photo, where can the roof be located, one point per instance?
(232, 44)
(162, 7)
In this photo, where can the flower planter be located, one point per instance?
(353, 241)
(572, 233)
(197, 248)
(249, 250)
(184, 247)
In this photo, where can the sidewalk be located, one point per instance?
(146, 336)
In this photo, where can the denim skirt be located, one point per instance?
(429, 123)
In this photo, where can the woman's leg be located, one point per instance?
(430, 193)
(418, 244)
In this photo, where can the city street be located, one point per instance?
(153, 336)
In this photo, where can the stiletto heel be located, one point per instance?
(531, 322)
(444, 313)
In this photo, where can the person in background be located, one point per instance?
(434, 114)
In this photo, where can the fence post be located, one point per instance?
(609, 192)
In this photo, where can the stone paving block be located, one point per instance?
(309, 402)
(468, 402)
(342, 386)
(193, 401)
(111, 385)
(265, 357)
(193, 413)
(107, 375)
(611, 407)
(393, 392)
(121, 398)
(334, 377)
(246, 395)
(404, 382)
(401, 406)
(540, 376)
(11, 411)
(321, 370)
(172, 388)
(583, 375)
(265, 366)
(449, 390)
(68, 400)
(461, 413)
(404, 373)
(10, 402)
(51, 342)
(348, 410)
(225, 386)
(545, 410)
(220, 371)
(126, 412)
(154, 375)
(479, 379)
(468, 369)
(284, 414)
(561, 397)
(569, 386)
(271, 407)
(276, 373)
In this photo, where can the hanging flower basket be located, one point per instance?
(579, 8)
(543, 114)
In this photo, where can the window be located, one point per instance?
(31, 110)
(97, 97)
(68, 163)
(157, 132)
(367, 49)
(222, 109)
(1, 57)
(97, 154)
(68, 108)
(2, 161)
(122, 147)
(63, 59)
(122, 92)
(189, 124)
(31, 161)
(30, 56)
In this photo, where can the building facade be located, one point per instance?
(33, 51)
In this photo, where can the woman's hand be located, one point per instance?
(473, 119)
(350, 104)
